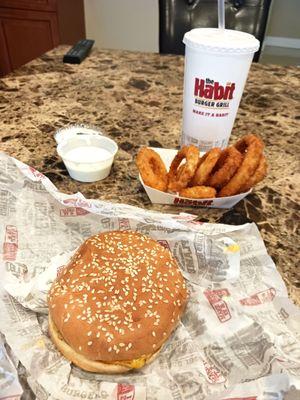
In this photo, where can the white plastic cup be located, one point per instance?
(92, 159)
(217, 63)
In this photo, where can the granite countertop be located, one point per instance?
(136, 99)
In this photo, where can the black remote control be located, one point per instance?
(78, 52)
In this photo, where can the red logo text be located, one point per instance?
(259, 298)
(215, 298)
(209, 89)
(10, 245)
(72, 212)
(190, 202)
(125, 392)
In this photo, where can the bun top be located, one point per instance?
(119, 298)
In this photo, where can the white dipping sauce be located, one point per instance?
(88, 154)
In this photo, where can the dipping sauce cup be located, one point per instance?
(88, 158)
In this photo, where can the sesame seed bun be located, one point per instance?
(85, 363)
(116, 302)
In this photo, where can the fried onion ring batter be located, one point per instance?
(152, 169)
(251, 148)
(198, 192)
(225, 168)
(180, 175)
(205, 166)
(258, 176)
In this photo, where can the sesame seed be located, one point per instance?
(90, 343)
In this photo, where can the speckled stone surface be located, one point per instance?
(136, 99)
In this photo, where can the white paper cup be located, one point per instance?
(88, 163)
(217, 63)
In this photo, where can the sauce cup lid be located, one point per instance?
(66, 133)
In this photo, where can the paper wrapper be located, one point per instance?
(10, 387)
(159, 197)
(239, 336)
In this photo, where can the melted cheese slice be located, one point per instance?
(135, 363)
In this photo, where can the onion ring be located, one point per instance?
(152, 169)
(180, 175)
(205, 166)
(258, 176)
(225, 168)
(251, 147)
(198, 192)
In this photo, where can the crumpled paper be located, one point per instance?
(238, 339)
(10, 387)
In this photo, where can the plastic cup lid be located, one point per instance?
(224, 41)
(74, 130)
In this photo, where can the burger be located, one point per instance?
(116, 302)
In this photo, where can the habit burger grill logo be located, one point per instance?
(188, 202)
(213, 374)
(259, 298)
(10, 245)
(72, 212)
(124, 224)
(125, 392)
(211, 94)
(208, 89)
(215, 298)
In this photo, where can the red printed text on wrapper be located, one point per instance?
(10, 245)
(77, 202)
(72, 212)
(36, 173)
(215, 298)
(213, 375)
(124, 224)
(125, 392)
(259, 298)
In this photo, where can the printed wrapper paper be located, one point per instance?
(159, 197)
(10, 387)
(239, 336)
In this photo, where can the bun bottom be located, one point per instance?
(83, 362)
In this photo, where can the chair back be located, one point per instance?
(179, 16)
